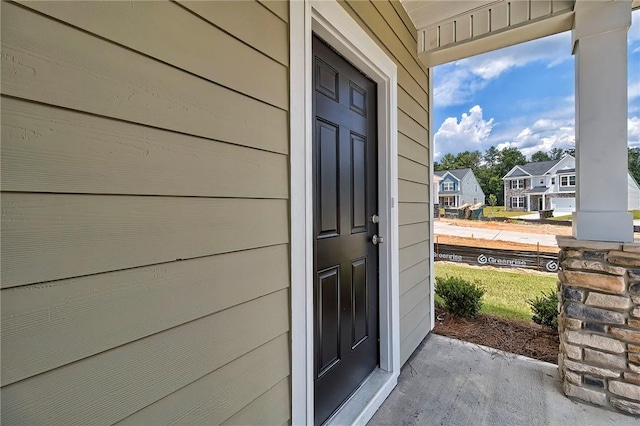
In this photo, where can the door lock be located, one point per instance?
(375, 218)
(377, 240)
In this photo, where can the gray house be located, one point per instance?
(458, 187)
(551, 185)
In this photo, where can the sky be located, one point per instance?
(521, 96)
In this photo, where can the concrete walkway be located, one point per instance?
(449, 382)
(446, 228)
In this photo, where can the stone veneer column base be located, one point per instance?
(599, 323)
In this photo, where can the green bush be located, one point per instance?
(461, 297)
(545, 309)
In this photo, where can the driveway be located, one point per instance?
(446, 228)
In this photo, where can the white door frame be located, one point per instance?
(335, 26)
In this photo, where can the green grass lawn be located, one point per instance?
(636, 214)
(507, 292)
(562, 218)
(498, 211)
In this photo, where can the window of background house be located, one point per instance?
(447, 186)
(568, 180)
(517, 202)
(517, 184)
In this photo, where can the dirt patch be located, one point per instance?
(514, 336)
(492, 244)
(535, 228)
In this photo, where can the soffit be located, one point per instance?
(448, 30)
(425, 13)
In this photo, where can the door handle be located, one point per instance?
(377, 240)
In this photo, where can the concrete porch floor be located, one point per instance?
(449, 382)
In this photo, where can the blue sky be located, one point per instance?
(521, 96)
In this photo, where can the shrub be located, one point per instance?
(461, 297)
(545, 309)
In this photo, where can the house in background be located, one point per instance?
(551, 185)
(435, 189)
(458, 187)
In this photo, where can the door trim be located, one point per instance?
(335, 26)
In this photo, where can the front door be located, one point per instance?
(345, 202)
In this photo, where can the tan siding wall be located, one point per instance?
(145, 271)
(388, 25)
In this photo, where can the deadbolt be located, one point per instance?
(375, 218)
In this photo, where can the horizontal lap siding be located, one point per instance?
(393, 32)
(145, 213)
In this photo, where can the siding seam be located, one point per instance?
(201, 377)
(67, 24)
(253, 400)
(141, 266)
(409, 137)
(230, 34)
(417, 304)
(107, 117)
(381, 42)
(395, 5)
(414, 161)
(92, 355)
(420, 64)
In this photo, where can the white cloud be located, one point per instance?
(457, 82)
(543, 135)
(468, 134)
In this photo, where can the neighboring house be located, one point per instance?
(218, 211)
(459, 187)
(435, 189)
(633, 193)
(550, 185)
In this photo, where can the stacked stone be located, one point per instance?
(599, 323)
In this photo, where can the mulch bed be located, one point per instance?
(509, 335)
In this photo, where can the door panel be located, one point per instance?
(345, 198)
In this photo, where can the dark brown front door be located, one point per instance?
(345, 199)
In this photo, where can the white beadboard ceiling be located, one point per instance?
(449, 30)
(425, 13)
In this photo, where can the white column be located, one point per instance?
(544, 204)
(528, 206)
(600, 45)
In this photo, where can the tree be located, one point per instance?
(540, 156)
(634, 163)
(491, 157)
(556, 153)
(493, 200)
(469, 159)
(509, 157)
(447, 162)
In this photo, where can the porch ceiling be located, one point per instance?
(449, 30)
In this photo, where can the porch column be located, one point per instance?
(544, 203)
(528, 206)
(600, 45)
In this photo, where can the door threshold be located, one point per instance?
(365, 401)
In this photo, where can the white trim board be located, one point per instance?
(334, 25)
